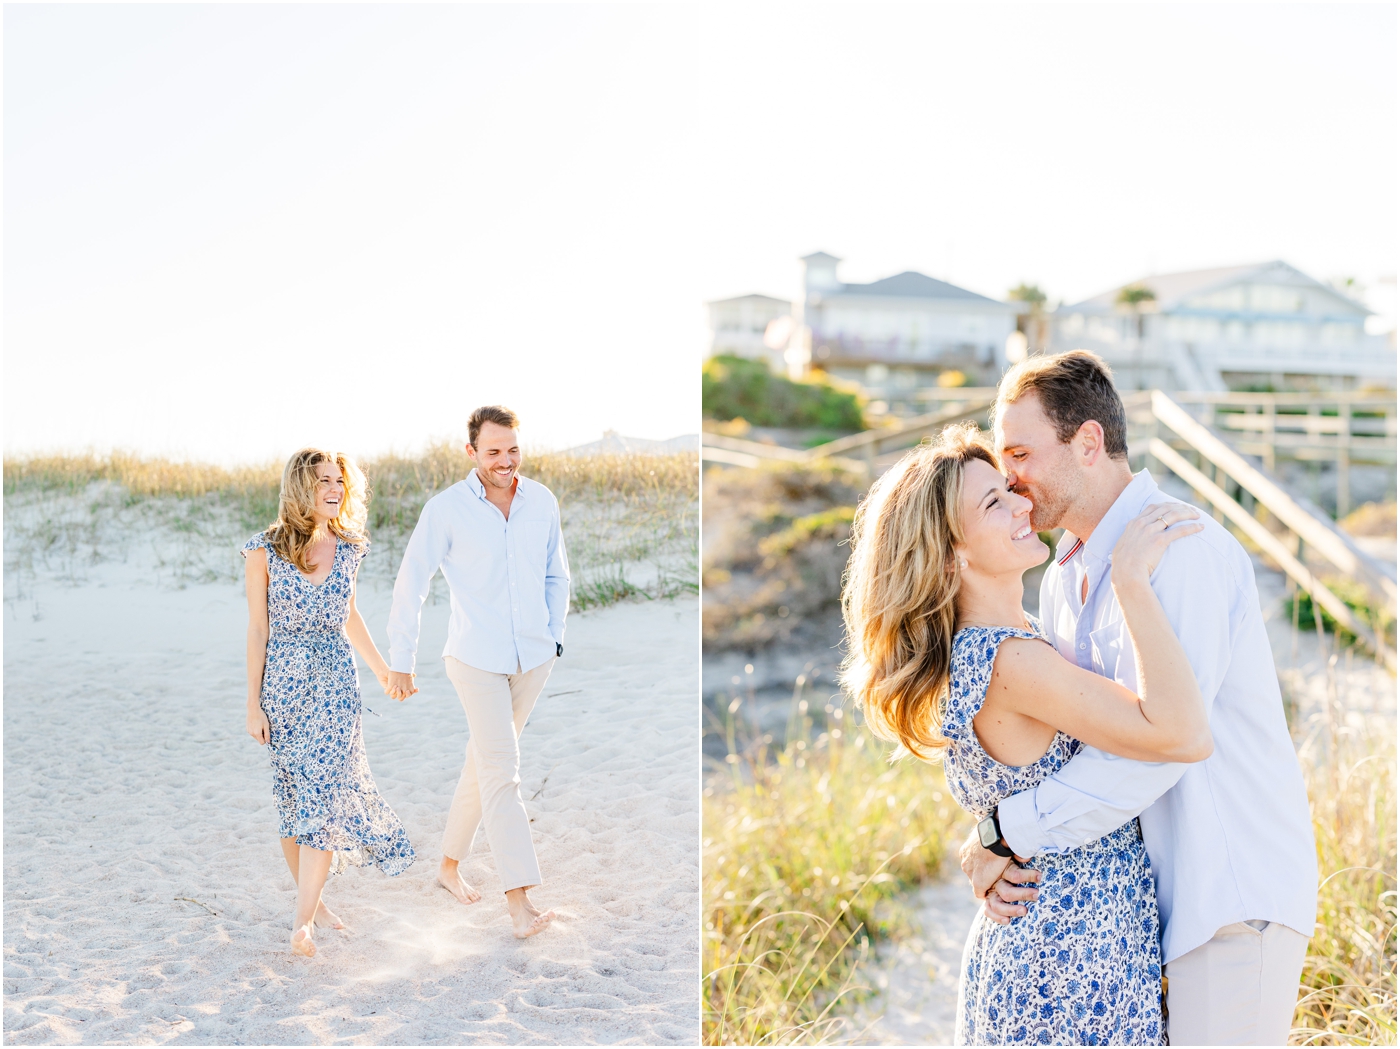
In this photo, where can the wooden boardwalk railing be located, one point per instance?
(858, 451)
(1307, 526)
(1343, 427)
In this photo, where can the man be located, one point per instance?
(496, 538)
(1230, 838)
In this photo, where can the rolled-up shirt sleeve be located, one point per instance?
(1096, 793)
(556, 579)
(426, 549)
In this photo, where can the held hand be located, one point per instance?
(399, 686)
(1007, 897)
(258, 726)
(1147, 537)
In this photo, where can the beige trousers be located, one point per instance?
(497, 706)
(1238, 988)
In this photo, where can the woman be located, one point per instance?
(303, 692)
(943, 659)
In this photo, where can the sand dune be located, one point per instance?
(145, 894)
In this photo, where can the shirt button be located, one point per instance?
(1082, 645)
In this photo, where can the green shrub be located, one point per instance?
(1355, 596)
(736, 388)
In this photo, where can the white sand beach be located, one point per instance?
(146, 899)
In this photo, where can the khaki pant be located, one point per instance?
(497, 706)
(1238, 988)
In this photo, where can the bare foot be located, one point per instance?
(326, 918)
(302, 943)
(451, 879)
(525, 916)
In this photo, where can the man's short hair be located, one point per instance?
(491, 413)
(1073, 388)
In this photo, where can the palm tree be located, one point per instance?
(1035, 322)
(1132, 297)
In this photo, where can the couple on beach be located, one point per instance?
(497, 540)
(1145, 850)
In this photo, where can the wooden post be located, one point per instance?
(1343, 457)
(1270, 431)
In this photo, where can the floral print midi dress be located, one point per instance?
(1082, 966)
(326, 797)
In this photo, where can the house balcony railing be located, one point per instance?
(1198, 364)
(830, 349)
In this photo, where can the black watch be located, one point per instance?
(989, 834)
(558, 649)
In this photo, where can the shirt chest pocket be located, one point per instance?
(1108, 651)
(531, 543)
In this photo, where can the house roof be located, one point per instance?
(614, 443)
(1172, 288)
(741, 298)
(819, 256)
(912, 285)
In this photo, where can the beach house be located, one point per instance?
(738, 325)
(1265, 324)
(908, 328)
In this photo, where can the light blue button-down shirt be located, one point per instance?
(508, 579)
(1230, 838)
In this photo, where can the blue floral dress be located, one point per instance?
(326, 797)
(1083, 965)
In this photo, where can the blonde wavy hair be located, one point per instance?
(292, 534)
(900, 597)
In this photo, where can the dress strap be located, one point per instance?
(258, 542)
(974, 656)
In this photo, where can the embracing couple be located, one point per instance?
(496, 538)
(1145, 849)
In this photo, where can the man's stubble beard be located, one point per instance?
(1051, 498)
(1046, 513)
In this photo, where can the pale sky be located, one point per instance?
(1077, 147)
(234, 230)
(230, 231)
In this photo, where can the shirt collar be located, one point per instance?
(1128, 505)
(478, 487)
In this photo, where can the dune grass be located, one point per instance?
(1349, 977)
(401, 484)
(806, 845)
(616, 511)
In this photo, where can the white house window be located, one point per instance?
(1225, 299)
(1265, 298)
(1334, 334)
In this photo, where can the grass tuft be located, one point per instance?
(1349, 977)
(804, 843)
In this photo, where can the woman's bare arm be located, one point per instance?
(359, 636)
(255, 579)
(1169, 722)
